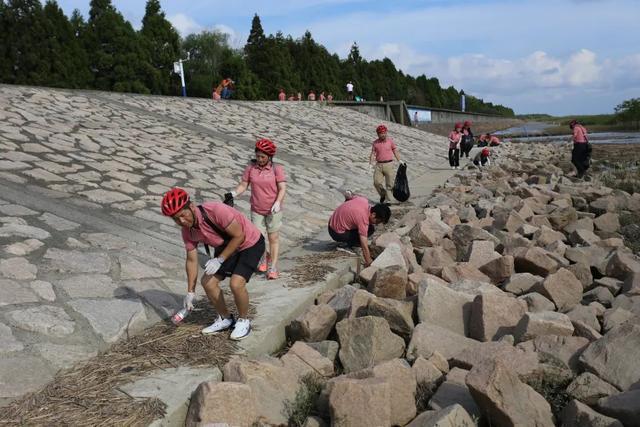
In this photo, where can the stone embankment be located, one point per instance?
(509, 300)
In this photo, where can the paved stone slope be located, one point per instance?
(85, 256)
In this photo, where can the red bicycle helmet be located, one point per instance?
(486, 152)
(381, 129)
(458, 125)
(266, 146)
(174, 201)
(467, 123)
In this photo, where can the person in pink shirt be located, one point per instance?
(581, 153)
(383, 150)
(238, 246)
(311, 96)
(329, 97)
(268, 187)
(282, 96)
(455, 138)
(322, 98)
(353, 222)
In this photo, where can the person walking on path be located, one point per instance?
(282, 96)
(455, 137)
(237, 245)
(350, 91)
(383, 150)
(467, 139)
(268, 188)
(353, 222)
(311, 96)
(581, 153)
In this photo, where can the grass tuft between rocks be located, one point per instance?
(304, 403)
(424, 393)
(552, 385)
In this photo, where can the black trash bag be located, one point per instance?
(401, 185)
(228, 199)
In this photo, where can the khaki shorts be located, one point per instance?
(267, 223)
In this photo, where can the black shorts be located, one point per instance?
(350, 237)
(243, 263)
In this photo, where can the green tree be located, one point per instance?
(233, 64)
(67, 60)
(162, 45)
(206, 52)
(116, 57)
(24, 59)
(629, 111)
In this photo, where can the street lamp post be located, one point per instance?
(179, 69)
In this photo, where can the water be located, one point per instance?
(534, 132)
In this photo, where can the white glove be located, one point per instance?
(275, 208)
(188, 300)
(234, 194)
(212, 266)
(402, 162)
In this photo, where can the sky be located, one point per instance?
(561, 57)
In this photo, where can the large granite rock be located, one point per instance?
(563, 288)
(239, 407)
(440, 305)
(504, 399)
(389, 282)
(563, 349)
(543, 323)
(399, 314)
(315, 324)
(451, 416)
(589, 388)
(614, 357)
(494, 315)
(367, 341)
(360, 403)
(577, 414)
(624, 406)
(428, 339)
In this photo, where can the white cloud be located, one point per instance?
(184, 24)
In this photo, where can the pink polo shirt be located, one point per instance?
(282, 96)
(383, 149)
(221, 215)
(351, 215)
(264, 185)
(579, 134)
(454, 139)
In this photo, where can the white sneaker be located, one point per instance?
(219, 325)
(242, 329)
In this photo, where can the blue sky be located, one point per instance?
(548, 56)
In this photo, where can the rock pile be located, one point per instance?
(509, 300)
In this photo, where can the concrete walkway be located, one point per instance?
(85, 256)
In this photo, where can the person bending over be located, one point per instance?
(354, 221)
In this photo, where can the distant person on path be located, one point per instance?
(311, 96)
(322, 97)
(227, 88)
(329, 97)
(467, 139)
(299, 96)
(581, 153)
(350, 91)
(455, 138)
(268, 186)
(383, 150)
(415, 118)
(353, 222)
(282, 96)
(216, 93)
(482, 158)
(292, 97)
(237, 245)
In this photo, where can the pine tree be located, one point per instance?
(24, 59)
(162, 44)
(68, 64)
(116, 58)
